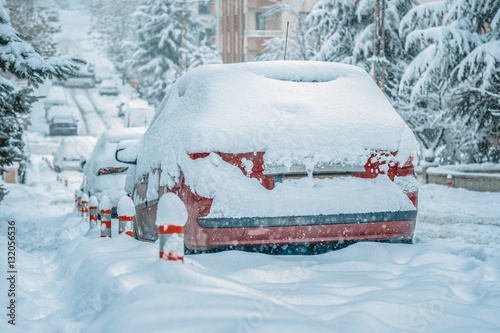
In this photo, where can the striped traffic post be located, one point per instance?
(171, 217)
(58, 178)
(126, 213)
(449, 181)
(105, 207)
(76, 198)
(85, 207)
(93, 211)
(79, 201)
(66, 182)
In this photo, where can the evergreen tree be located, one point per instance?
(19, 59)
(113, 27)
(31, 22)
(456, 72)
(156, 55)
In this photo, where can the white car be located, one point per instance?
(138, 113)
(72, 151)
(103, 175)
(109, 87)
(84, 80)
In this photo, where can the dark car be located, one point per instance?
(63, 125)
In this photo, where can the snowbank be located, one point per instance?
(171, 210)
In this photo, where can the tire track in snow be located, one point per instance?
(100, 112)
(93, 121)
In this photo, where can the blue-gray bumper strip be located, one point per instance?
(309, 220)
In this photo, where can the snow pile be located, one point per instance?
(293, 111)
(105, 204)
(238, 196)
(93, 202)
(171, 210)
(126, 207)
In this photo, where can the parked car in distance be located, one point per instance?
(138, 113)
(72, 151)
(103, 174)
(53, 15)
(63, 124)
(108, 87)
(83, 79)
(277, 157)
(55, 96)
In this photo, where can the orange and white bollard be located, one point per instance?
(171, 217)
(66, 182)
(449, 180)
(79, 201)
(76, 198)
(58, 178)
(85, 207)
(93, 210)
(126, 213)
(105, 207)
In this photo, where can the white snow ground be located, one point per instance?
(70, 280)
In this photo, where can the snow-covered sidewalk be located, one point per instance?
(70, 280)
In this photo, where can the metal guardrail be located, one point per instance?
(481, 180)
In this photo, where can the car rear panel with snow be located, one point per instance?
(277, 154)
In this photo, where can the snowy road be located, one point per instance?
(70, 280)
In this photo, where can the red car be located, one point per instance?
(277, 157)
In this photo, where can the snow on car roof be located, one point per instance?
(63, 118)
(117, 135)
(139, 104)
(295, 111)
(75, 147)
(109, 83)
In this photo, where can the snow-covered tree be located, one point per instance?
(113, 28)
(456, 71)
(156, 60)
(31, 21)
(19, 59)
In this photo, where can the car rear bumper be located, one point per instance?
(320, 229)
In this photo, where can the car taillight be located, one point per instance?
(108, 171)
(409, 162)
(72, 125)
(53, 125)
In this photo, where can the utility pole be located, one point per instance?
(183, 57)
(379, 48)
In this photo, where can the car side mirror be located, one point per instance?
(126, 152)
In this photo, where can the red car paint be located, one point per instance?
(198, 238)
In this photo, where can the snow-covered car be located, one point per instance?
(108, 87)
(103, 175)
(275, 156)
(138, 113)
(72, 151)
(63, 124)
(55, 96)
(83, 79)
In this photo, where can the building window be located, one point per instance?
(260, 21)
(204, 6)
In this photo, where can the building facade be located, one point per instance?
(242, 26)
